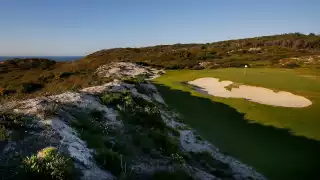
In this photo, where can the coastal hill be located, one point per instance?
(105, 117)
(31, 77)
(119, 130)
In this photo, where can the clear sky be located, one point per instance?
(79, 27)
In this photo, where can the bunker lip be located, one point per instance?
(213, 86)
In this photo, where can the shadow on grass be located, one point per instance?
(274, 152)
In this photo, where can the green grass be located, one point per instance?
(282, 143)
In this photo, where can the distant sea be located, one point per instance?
(56, 58)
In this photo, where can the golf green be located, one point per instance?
(281, 143)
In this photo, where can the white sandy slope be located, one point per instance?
(252, 93)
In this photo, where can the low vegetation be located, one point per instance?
(19, 130)
(143, 134)
(49, 164)
(15, 123)
(43, 77)
(143, 116)
(205, 160)
(93, 130)
(135, 80)
(177, 175)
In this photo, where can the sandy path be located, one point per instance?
(256, 94)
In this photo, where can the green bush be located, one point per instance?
(177, 158)
(110, 160)
(49, 164)
(164, 142)
(3, 133)
(112, 99)
(136, 80)
(134, 109)
(14, 121)
(139, 112)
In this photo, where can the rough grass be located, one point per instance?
(259, 135)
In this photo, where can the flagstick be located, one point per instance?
(245, 69)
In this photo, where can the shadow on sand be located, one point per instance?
(274, 152)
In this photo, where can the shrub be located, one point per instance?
(136, 80)
(112, 98)
(63, 75)
(142, 63)
(164, 142)
(110, 160)
(173, 131)
(213, 166)
(51, 110)
(4, 92)
(291, 65)
(30, 87)
(177, 158)
(177, 175)
(45, 78)
(14, 121)
(3, 133)
(142, 140)
(49, 164)
(97, 115)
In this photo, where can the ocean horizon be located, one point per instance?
(55, 58)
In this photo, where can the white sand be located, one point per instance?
(256, 94)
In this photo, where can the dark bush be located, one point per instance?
(30, 87)
(165, 175)
(164, 142)
(63, 75)
(142, 63)
(5, 92)
(110, 160)
(291, 65)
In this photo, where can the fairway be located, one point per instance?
(280, 142)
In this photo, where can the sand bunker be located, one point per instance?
(260, 95)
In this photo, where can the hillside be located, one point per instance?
(102, 118)
(119, 130)
(259, 51)
(31, 77)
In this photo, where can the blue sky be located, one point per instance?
(79, 27)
